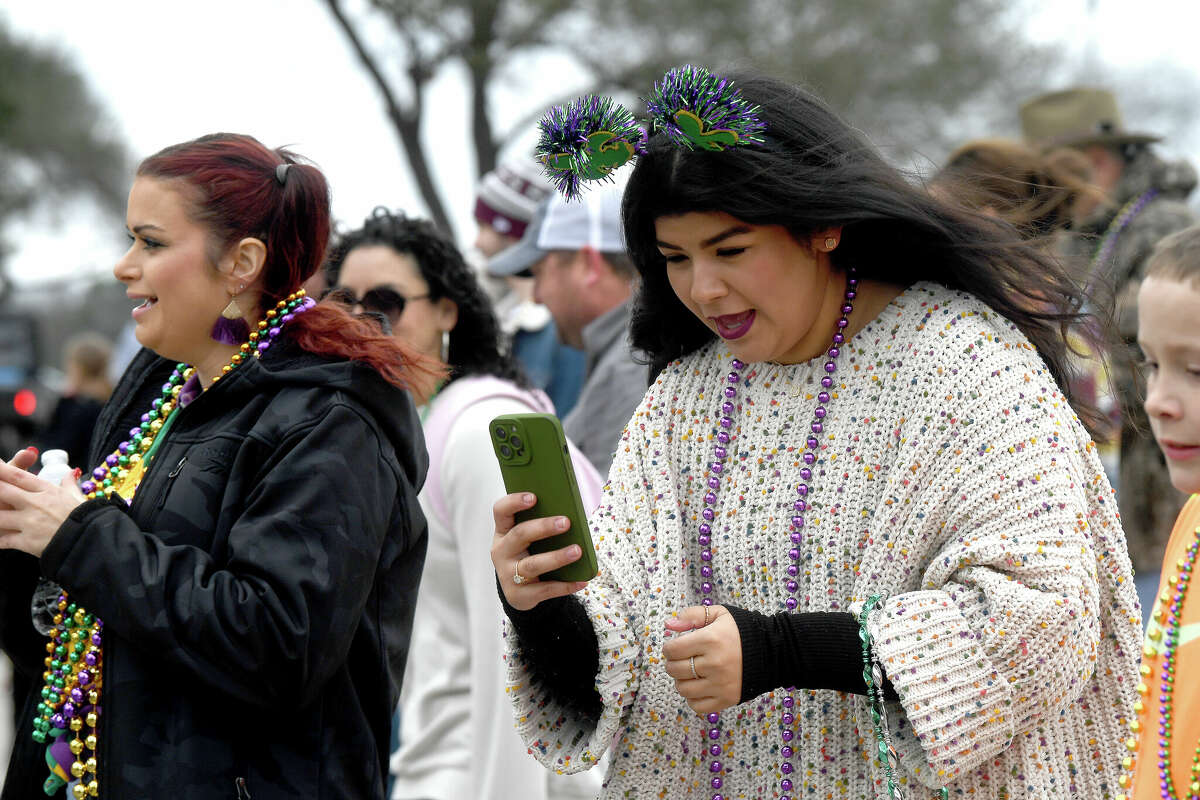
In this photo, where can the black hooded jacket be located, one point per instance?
(258, 593)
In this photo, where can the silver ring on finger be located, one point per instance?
(692, 664)
(518, 578)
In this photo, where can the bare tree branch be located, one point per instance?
(406, 122)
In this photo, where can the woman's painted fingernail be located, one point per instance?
(32, 449)
(78, 473)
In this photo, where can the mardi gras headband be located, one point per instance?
(588, 138)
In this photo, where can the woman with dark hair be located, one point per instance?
(855, 485)
(235, 613)
(456, 733)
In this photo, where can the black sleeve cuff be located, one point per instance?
(558, 643)
(811, 650)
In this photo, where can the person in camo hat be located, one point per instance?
(1146, 202)
(504, 206)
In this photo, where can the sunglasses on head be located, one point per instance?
(380, 300)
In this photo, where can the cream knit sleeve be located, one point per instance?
(1025, 550)
(623, 531)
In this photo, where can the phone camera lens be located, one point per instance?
(516, 441)
(501, 433)
(506, 451)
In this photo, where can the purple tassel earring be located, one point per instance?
(231, 327)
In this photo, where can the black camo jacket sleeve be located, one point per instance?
(277, 616)
(18, 639)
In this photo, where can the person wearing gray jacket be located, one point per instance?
(575, 252)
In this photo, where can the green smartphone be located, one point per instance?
(534, 457)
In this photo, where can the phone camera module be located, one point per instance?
(506, 451)
(516, 441)
(501, 433)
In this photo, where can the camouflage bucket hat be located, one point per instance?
(1076, 117)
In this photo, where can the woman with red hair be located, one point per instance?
(236, 577)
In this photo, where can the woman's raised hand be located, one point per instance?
(31, 510)
(24, 459)
(519, 571)
(705, 658)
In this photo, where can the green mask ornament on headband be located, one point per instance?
(586, 140)
(590, 137)
(603, 153)
(697, 109)
(692, 128)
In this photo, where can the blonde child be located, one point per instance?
(1164, 737)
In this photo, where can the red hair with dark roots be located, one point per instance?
(235, 194)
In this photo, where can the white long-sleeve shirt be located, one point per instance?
(457, 733)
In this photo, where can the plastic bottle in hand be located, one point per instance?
(54, 466)
(44, 605)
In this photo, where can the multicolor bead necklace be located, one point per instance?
(70, 698)
(799, 507)
(1108, 241)
(1170, 616)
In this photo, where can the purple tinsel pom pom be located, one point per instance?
(586, 140)
(697, 109)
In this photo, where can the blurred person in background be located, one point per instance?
(456, 732)
(228, 627)
(87, 358)
(1038, 193)
(507, 199)
(1145, 201)
(576, 254)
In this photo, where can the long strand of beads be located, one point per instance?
(74, 661)
(1108, 242)
(1173, 613)
(121, 471)
(873, 678)
(799, 506)
(1169, 618)
(1166, 692)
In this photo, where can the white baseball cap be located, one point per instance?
(594, 220)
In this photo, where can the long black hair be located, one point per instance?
(476, 346)
(815, 172)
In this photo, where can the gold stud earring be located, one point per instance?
(830, 243)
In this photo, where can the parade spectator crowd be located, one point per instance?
(884, 475)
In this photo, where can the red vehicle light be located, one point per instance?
(25, 403)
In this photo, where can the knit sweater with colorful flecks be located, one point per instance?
(951, 476)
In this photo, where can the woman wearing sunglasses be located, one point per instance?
(457, 738)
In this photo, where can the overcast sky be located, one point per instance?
(280, 70)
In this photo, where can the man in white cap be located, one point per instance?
(506, 201)
(576, 254)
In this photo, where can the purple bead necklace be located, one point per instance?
(1108, 242)
(799, 506)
